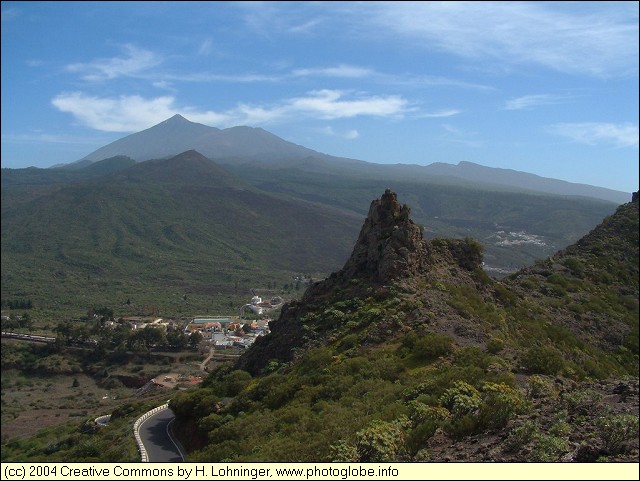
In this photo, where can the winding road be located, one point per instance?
(161, 446)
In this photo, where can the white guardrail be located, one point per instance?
(136, 428)
(103, 420)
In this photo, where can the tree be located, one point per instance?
(176, 339)
(195, 338)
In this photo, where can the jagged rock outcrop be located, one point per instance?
(390, 245)
(390, 250)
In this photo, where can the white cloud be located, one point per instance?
(351, 134)
(133, 64)
(344, 71)
(440, 114)
(594, 40)
(126, 113)
(592, 133)
(329, 104)
(348, 135)
(458, 136)
(206, 47)
(130, 113)
(530, 101)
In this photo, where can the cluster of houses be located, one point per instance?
(223, 333)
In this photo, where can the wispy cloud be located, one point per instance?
(580, 41)
(133, 113)
(126, 113)
(532, 101)
(133, 64)
(42, 138)
(9, 13)
(206, 47)
(351, 134)
(345, 71)
(592, 133)
(439, 114)
(332, 104)
(459, 136)
(269, 18)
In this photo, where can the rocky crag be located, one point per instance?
(390, 253)
(411, 352)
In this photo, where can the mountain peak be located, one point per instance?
(390, 245)
(176, 118)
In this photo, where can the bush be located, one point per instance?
(494, 345)
(432, 346)
(381, 441)
(617, 430)
(582, 402)
(521, 436)
(543, 360)
(461, 399)
(420, 413)
(548, 449)
(500, 404)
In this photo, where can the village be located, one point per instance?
(226, 332)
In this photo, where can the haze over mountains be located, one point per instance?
(241, 145)
(182, 207)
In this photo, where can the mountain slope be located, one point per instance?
(160, 229)
(411, 353)
(247, 147)
(513, 178)
(178, 134)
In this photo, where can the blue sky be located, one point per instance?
(549, 88)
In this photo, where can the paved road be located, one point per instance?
(156, 439)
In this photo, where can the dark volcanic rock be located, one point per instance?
(390, 250)
(390, 245)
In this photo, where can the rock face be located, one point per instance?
(390, 250)
(390, 245)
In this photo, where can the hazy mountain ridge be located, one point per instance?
(156, 209)
(177, 134)
(254, 145)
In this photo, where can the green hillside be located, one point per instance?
(415, 354)
(158, 231)
(541, 223)
(154, 232)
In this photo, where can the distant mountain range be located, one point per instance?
(143, 216)
(242, 145)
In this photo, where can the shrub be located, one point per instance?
(500, 403)
(420, 413)
(521, 436)
(617, 430)
(543, 360)
(344, 452)
(461, 399)
(472, 356)
(575, 266)
(582, 402)
(539, 386)
(432, 346)
(380, 441)
(494, 345)
(547, 449)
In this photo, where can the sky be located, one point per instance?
(549, 88)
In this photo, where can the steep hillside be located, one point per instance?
(516, 228)
(412, 353)
(159, 230)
